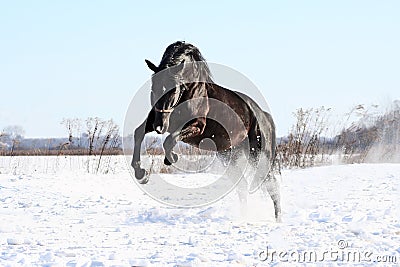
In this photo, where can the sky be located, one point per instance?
(79, 59)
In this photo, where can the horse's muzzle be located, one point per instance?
(160, 129)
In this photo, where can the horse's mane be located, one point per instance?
(180, 51)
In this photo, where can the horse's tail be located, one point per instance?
(266, 131)
(270, 131)
(263, 130)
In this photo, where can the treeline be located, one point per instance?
(375, 138)
(364, 135)
(93, 136)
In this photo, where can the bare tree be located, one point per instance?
(92, 126)
(305, 140)
(109, 140)
(14, 133)
(3, 146)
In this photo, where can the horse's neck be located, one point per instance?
(198, 89)
(217, 91)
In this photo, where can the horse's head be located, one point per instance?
(167, 88)
(181, 64)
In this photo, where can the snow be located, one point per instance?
(54, 213)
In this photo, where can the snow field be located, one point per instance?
(54, 213)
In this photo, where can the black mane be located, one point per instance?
(180, 51)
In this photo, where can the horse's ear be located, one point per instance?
(151, 65)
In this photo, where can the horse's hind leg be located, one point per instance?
(271, 185)
(242, 192)
(232, 159)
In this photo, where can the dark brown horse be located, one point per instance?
(187, 104)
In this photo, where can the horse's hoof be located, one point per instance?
(166, 162)
(140, 173)
(142, 176)
(172, 160)
(144, 180)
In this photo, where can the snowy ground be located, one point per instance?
(53, 213)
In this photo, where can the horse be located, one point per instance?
(189, 105)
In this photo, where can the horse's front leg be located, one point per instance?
(192, 130)
(139, 134)
(169, 144)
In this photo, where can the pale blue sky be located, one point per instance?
(86, 58)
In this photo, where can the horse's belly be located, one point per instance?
(221, 139)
